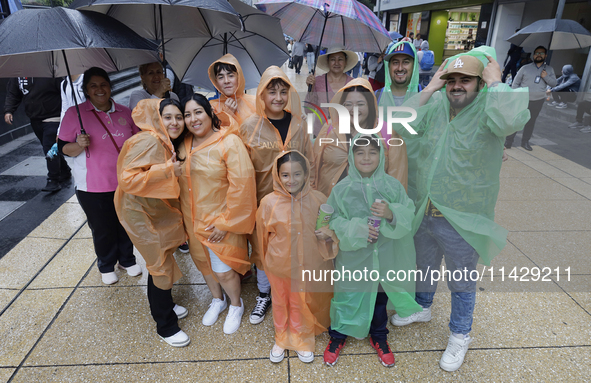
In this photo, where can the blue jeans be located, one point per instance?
(435, 238)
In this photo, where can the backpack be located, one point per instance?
(427, 61)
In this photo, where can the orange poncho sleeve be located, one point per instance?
(143, 169)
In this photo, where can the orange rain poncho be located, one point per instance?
(264, 142)
(147, 197)
(285, 230)
(218, 188)
(331, 159)
(246, 102)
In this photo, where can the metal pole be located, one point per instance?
(326, 14)
(82, 131)
(558, 16)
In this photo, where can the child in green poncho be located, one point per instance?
(374, 264)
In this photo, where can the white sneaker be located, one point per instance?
(553, 103)
(180, 339)
(132, 271)
(586, 129)
(562, 105)
(109, 278)
(576, 125)
(421, 316)
(215, 308)
(233, 318)
(180, 311)
(277, 354)
(453, 357)
(305, 356)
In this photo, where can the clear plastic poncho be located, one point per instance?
(352, 307)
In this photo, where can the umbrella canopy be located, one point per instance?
(394, 35)
(560, 33)
(346, 23)
(176, 18)
(36, 42)
(260, 45)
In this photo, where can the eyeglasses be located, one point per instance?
(539, 53)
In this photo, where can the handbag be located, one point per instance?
(290, 64)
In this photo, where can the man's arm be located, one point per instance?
(14, 96)
(518, 79)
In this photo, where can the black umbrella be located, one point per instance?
(51, 42)
(168, 19)
(560, 33)
(257, 47)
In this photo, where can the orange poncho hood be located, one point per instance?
(293, 106)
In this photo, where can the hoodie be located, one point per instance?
(146, 199)
(568, 82)
(331, 159)
(300, 304)
(246, 102)
(218, 188)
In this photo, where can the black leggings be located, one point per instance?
(111, 242)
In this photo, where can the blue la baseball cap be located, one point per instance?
(404, 49)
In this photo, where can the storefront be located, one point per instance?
(451, 26)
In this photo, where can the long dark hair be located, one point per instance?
(179, 140)
(204, 103)
(371, 103)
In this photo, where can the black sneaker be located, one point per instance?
(260, 309)
(184, 248)
(52, 186)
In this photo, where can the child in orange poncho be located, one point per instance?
(291, 247)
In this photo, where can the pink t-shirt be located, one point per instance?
(96, 172)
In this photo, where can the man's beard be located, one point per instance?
(538, 59)
(463, 102)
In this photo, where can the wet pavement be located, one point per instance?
(59, 323)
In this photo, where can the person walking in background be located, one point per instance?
(310, 54)
(298, 56)
(426, 59)
(566, 87)
(536, 76)
(42, 100)
(583, 107)
(513, 58)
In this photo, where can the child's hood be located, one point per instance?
(379, 173)
(293, 102)
(278, 186)
(228, 59)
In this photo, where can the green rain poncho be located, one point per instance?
(352, 307)
(412, 142)
(460, 160)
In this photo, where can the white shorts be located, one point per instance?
(216, 263)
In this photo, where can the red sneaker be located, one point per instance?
(385, 355)
(331, 354)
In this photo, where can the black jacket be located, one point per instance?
(41, 96)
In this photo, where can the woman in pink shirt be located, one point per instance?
(107, 125)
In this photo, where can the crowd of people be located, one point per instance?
(243, 182)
